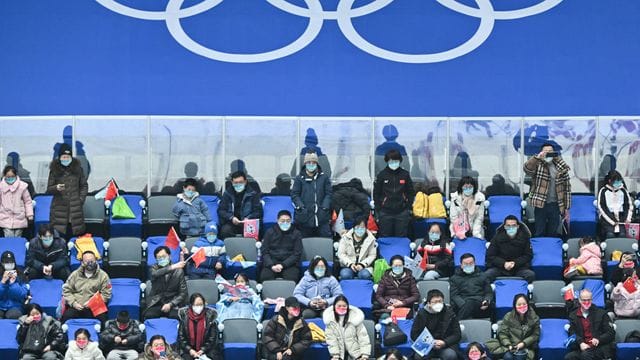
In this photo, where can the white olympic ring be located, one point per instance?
(173, 14)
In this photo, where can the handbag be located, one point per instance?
(393, 335)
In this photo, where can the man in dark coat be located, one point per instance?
(595, 337)
(47, 256)
(239, 202)
(442, 324)
(122, 338)
(286, 336)
(510, 251)
(311, 196)
(281, 250)
(351, 198)
(471, 292)
(168, 286)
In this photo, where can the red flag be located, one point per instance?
(630, 284)
(371, 224)
(96, 304)
(112, 191)
(334, 217)
(199, 257)
(172, 241)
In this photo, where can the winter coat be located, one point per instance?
(66, 206)
(351, 198)
(210, 346)
(13, 295)
(438, 253)
(614, 205)
(90, 352)
(277, 338)
(443, 326)
(474, 286)
(215, 253)
(624, 303)
(135, 337)
(279, 247)
(245, 308)
(601, 328)
(167, 286)
(476, 221)
(503, 249)
(351, 339)
(368, 251)
(193, 214)
(34, 337)
(540, 178)
(311, 196)
(251, 207)
(79, 288)
(512, 331)
(15, 205)
(38, 256)
(393, 191)
(148, 353)
(327, 288)
(589, 259)
(403, 289)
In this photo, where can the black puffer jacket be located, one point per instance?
(311, 196)
(352, 198)
(210, 346)
(135, 337)
(167, 286)
(393, 191)
(277, 338)
(443, 326)
(38, 256)
(66, 206)
(474, 286)
(503, 249)
(38, 335)
(279, 247)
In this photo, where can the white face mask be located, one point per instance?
(197, 309)
(437, 307)
(9, 266)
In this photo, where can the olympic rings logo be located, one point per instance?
(344, 14)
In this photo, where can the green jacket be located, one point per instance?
(511, 332)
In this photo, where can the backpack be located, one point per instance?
(436, 208)
(86, 243)
(421, 205)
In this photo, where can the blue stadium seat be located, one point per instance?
(75, 324)
(475, 246)
(390, 246)
(162, 326)
(317, 246)
(41, 210)
(499, 207)
(552, 338)
(359, 293)
(317, 351)
(8, 343)
(245, 246)
(597, 290)
(239, 338)
(547, 258)
(405, 349)
(583, 215)
(504, 291)
(155, 242)
(125, 296)
(73, 253)
(421, 226)
(128, 227)
(271, 205)
(623, 328)
(46, 293)
(212, 202)
(17, 245)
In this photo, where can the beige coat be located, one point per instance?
(347, 252)
(79, 288)
(352, 339)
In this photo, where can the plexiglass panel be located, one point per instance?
(619, 140)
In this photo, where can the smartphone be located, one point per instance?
(552, 154)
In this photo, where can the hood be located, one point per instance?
(390, 132)
(356, 316)
(13, 187)
(592, 248)
(184, 198)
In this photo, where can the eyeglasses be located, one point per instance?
(585, 300)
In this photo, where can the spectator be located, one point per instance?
(281, 250)
(625, 303)
(471, 292)
(317, 289)
(589, 261)
(476, 351)
(198, 332)
(500, 187)
(213, 249)
(397, 288)
(39, 335)
(594, 334)
(393, 197)
(311, 196)
(168, 286)
(357, 251)
(442, 324)
(238, 203)
(13, 159)
(16, 208)
(393, 354)
(550, 192)
(283, 185)
(436, 251)
(158, 349)
(625, 268)
(191, 210)
(247, 305)
(81, 285)
(345, 332)
(466, 213)
(121, 338)
(13, 288)
(82, 348)
(286, 336)
(460, 169)
(68, 185)
(615, 206)
(519, 331)
(239, 165)
(510, 251)
(47, 255)
(352, 199)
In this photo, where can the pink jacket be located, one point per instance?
(15, 205)
(589, 259)
(625, 304)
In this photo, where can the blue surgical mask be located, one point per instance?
(398, 270)
(467, 191)
(65, 162)
(393, 164)
(188, 193)
(163, 262)
(468, 269)
(47, 241)
(511, 231)
(238, 187)
(434, 236)
(284, 226)
(319, 272)
(616, 184)
(311, 167)
(359, 231)
(212, 237)
(10, 180)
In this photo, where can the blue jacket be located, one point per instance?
(193, 214)
(326, 287)
(311, 196)
(12, 295)
(251, 206)
(215, 253)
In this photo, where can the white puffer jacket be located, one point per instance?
(475, 221)
(351, 339)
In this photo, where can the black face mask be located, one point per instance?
(91, 266)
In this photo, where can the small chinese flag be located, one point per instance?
(199, 257)
(112, 191)
(371, 224)
(172, 241)
(96, 304)
(630, 284)
(334, 217)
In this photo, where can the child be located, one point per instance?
(589, 261)
(215, 252)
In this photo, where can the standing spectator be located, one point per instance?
(589, 261)
(345, 332)
(238, 203)
(158, 349)
(311, 196)
(287, 336)
(198, 331)
(168, 286)
(442, 324)
(39, 335)
(13, 288)
(393, 197)
(615, 206)
(191, 210)
(471, 292)
(68, 185)
(281, 250)
(436, 251)
(47, 256)
(248, 306)
(16, 208)
(397, 288)
(357, 251)
(390, 134)
(550, 192)
(81, 285)
(352, 199)
(519, 331)
(466, 213)
(122, 339)
(82, 348)
(213, 249)
(317, 289)
(594, 334)
(510, 251)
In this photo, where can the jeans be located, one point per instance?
(122, 354)
(347, 273)
(431, 275)
(12, 232)
(547, 220)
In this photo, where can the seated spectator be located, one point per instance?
(626, 303)
(518, 333)
(317, 289)
(510, 251)
(81, 285)
(168, 286)
(351, 198)
(191, 210)
(13, 288)
(589, 261)
(436, 251)
(215, 252)
(283, 185)
(594, 334)
(82, 348)
(39, 335)
(286, 336)
(393, 195)
(471, 292)
(466, 213)
(476, 351)
(47, 255)
(397, 288)
(158, 349)
(393, 354)
(311, 196)
(357, 251)
(442, 324)
(198, 331)
(239, 203)
(16, 208)
(121, 338)
(615, 206)
(500, 187)
(281, 250)
(626, 267)
(246, 305)
(345, 332)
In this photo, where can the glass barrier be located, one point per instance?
(619, 149)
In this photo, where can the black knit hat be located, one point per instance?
(65, 149)
(7, 257)
(291, 301)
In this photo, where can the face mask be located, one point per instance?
(548, 160)
(212, 238)
(617, 184)
(188, 193)
(341, 311)
(238, 187)
(159, 349)
(467, 191)
(511, 231)
(360, 232)
(36, 318)
(437, 307)
(474, 355)
(65, 162)
(319, 272)
(285, 226)
(81, 343)
(163, 262)
(10, 180)
(295, 312)
(123, 326)
(522, 309)
(434, 236)
(47, 241)
(398, 270)
(628, 264)
(9, 266)
(585, 304)
(468, 269)
(197, 309)
(394, 164)
(311, 167)
(91, 266)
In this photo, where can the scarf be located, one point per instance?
(469, 204)
(196, 328)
